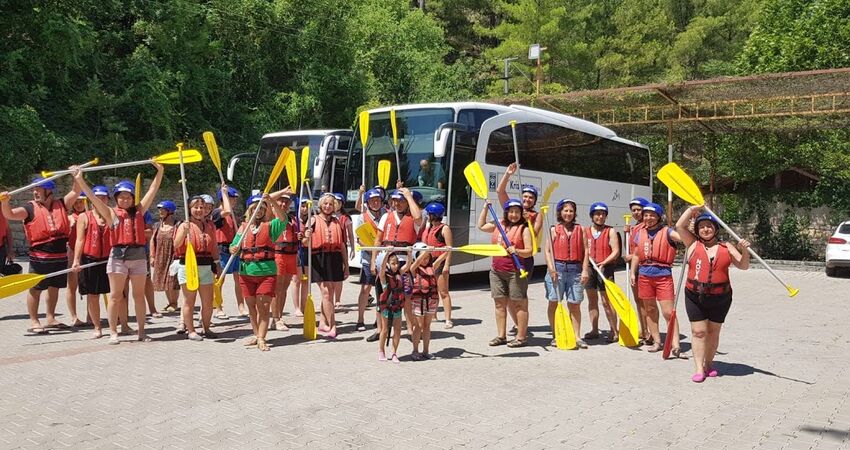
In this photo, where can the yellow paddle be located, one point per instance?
(305, 164)
(48, 176)
(628, 331)
(190, 260)
(366, 233)
(14, 284)
(364, 139)
(170, 158)
(309, 331)
(565, 336)
(212, 149)
(472, 249)
(291, 172)
(684, 186)
(475, 177)
(384, 167)
(138, 188)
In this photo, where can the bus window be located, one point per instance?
(550, 148)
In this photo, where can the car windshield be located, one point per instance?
(844, 228)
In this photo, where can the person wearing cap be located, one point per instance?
(636, 208)
(79, 208)
(128, 258)
(567, 261)
(47, 228)
(93, 244)
(348, 236)
(508, 289)
(258, 271)
(162, 254)
(286, 259)
(708, 292)
(371, 215)
(437, 234)
(399, 228)
(603, 247)
(654, 250)
(329, 260)
(225, 230)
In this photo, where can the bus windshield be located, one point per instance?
(419, 169)
(270, 148)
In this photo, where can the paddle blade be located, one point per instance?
(395, 128)
(14, 284)
(292, 173)
(680, 183)
(212, 149)
(364, 129)
(305, 161)
(367, 234)
(218, 300)
(792, 291)
(309, 318)
(277, 169)
(483, 249)
(192, 277)
(384, 167)
(173, 158)
(668, 340)
(475, 177)
(534, 248)
(628, 329)
(138, 188)
(565, 338)
(548, 192)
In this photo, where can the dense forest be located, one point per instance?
(122, 79)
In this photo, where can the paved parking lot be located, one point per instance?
(784, 365)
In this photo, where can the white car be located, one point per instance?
(838, 249)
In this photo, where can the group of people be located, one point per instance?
(114, 251)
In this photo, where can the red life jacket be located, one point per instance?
(424, 282)
(47, 224)
(98, 243)
(514, 233)
(432, 236)
(130, 231)
(72, 235)
(600, 247)
(226, 234)
(707, 277)
(343, 222)
(568, 248)
(257, 246)
(392, 298)
(4, 229)
(287, 242)
(203, 241)
(655, 252)
(397, 234)
(532, 216)
(327, 236)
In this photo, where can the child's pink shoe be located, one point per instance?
(382, 356)
(711, 373)
(395, 358)
(698, 378)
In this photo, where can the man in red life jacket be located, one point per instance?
(47, 229)
(603, 246)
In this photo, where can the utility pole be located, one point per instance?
(535, 51)
(507, 72)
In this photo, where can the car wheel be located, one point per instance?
(830, 271)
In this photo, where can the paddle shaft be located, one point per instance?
(516, 154)
(241, 236)
(627, 218)
(517, 263)
(140, 162)
(671, 325)
(430, 249)
(54, 176)
(84, 266)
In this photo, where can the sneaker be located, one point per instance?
(361, 326)
(195, 337)
(512, 331)
(374, 337)
(416, 356)
(449, 325)
(428, 356)
(382, 356)
(581, 344)
(210, 335)
(711, 373)
(370, 301)
(395, 358)
(698, 378)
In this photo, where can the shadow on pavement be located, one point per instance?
(840, 434)
(740, 370)
(459, 353)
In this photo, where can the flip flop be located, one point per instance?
(58, 326)
(37, 330)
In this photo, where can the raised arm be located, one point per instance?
(150, 196)
(226, 207)
(502, 189)
(105, 211)
(482, 219)
(740, 254)
(11, 213)
(685, 235)
(72, 195)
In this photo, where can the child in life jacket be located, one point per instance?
(391, 303)
(425, 296)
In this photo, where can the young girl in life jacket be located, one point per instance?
(708, 294)
(92, 245)
(567, 263)
(128, 258)
(425, 297)
(201, 232)
(391, 303)
(258, 271)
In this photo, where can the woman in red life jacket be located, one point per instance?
(225, 230)
(93, 244)
(348, 237)
(79, 208)
(258, 271)
(603, 247)
(567, 263)
(653, 253)
(201, 232)
(425, 297)
(371, 215)
(162, 254)
(46, 227)
(708, 293)
(325, 236)
(127, 258)
(508, 290)
(391, 302)
(286, 258)
(636, 208)
(437, 234)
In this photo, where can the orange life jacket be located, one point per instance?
(4, 229)
(568, 248)
(287, 242)
(48, 223)
(72, 235)
(257, 246)
(400, 233)
(514, 233)
(600, 247)
(130, 231)
(203, 241)
(432, 236)
(98, 242)
(327, 235)
(708, 277)
(655, 252)
(226, 234)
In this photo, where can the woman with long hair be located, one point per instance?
(162, 254)
(326, 238)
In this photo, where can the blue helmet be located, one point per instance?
(531, 190)
(253, 199)
(511, 203)
(100, 190)
(598, 206)
(231, 192)
(435, 209)
(640, 201)
(207, 199)
(82, 196)
(167, 205)
(339, 196)
(654, 208)
(45, 184)
(124, 186)
(563, 202)
(396, 194)
(303, 200)
(417, 196)
(372, 193)
(708, 217)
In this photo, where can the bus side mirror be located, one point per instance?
(325, 152)
(441, 137)
(231, 168)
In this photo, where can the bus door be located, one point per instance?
(330, 164)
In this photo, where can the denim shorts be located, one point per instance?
(569, 284)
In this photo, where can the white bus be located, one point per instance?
(584, 161)
(328, 151)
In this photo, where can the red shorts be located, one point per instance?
(286, 264)
(253, 286)
(655, 288)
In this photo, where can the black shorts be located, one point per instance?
(709, 307)
(327, 266)
(93, 280)
(366, 276)
(594, 282)
(45, 267)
